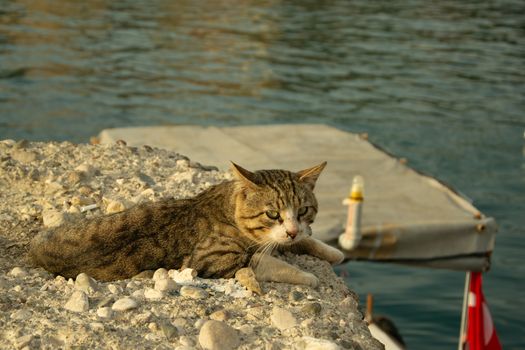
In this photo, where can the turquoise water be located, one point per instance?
(441, 84)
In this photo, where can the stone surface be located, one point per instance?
(33, 304)
(216, 335)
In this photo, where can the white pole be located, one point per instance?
(464, 319)
(350, 239)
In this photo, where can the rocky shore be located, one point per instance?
(43, 185)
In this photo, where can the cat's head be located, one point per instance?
(276, 206)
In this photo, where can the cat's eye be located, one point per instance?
(273, 214)
(302, 211)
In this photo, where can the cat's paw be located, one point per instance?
(310, 280)
(337, 257)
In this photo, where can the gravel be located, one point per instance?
(46, 184)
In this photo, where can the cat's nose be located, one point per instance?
(291, 233)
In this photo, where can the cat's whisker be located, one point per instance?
(262, 250)
(266, 248)
(256, 257)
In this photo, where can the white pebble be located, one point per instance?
(165, 285)
(160, 274)
(132, 285)
(309, 343)
(307, 323)
(114, 206)
(186, 341)
(186, 276)
(153, 294)
(220, 315)
(23, 341)
(153, 337)
(193, 292)
(85, 283)
(246, 329)
(125, 304)
(88, 207)
(20, 315)
(105, 312)
(142, 318)
(185, 347)
(59, 280)
(96, 326)
(53, 218)
(216, 335)
(180, 322)
(138, 294)
(18, 272)
(199, 323)
(78, 302)
(87, 169)
(113, 289)
(282, 318)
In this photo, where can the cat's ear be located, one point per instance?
(243, 175)
(309, 176)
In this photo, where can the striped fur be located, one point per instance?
(216, 233)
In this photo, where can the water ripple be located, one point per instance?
(441, 83)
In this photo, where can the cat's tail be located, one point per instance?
(36, 245)
(44, 251)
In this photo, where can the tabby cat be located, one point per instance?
(229, 226)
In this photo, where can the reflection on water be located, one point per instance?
(439, 83)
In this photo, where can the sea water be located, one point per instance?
(439, 83)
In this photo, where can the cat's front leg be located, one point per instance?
(217, 262)
(268, 268)
(315, 247)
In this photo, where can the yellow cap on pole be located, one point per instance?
(358, 186)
